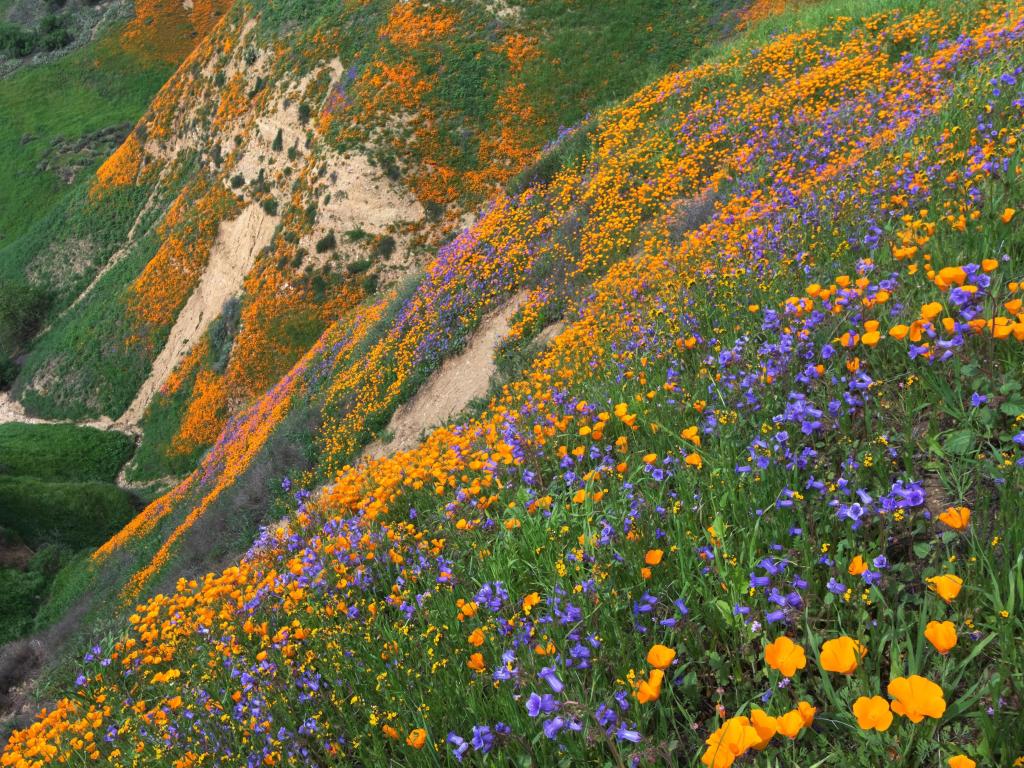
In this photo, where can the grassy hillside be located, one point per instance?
(62, 452)
(761, 492)
(63, 118)
(71, 99)
(58, 500)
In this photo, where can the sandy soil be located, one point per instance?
(232, 255)
(12, 411)
(460, 379)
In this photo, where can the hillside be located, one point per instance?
(686, 433)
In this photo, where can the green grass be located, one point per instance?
(92, 88)
(75, 514)
(62, 452)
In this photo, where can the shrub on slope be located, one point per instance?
(74, 514)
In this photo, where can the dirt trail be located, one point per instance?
(13, 411)
(460, 379)
(232, 255)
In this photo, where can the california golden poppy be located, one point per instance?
(916, 698)
(417, 738)
(785, 656)
(841, 655)
(956, 518)
(947, 586)
(790, 724)
(660, 656)
(732, 739)
(873, 713)
(765, 725)
(942, 635)
(650, 689)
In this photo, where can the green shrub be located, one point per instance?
(20, 596)
(222, 333)
(73, 514)
(62, 452)
(8, 370)
(278, 143)
(270, 206)
(326, 243)
(384, 247)
(23, 310)
(359, 266)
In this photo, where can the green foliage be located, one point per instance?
(52, 34)
(358, 266)
(326, 243)
(92, 88)
(566, 152)
(81, 356)
(384, 247)
(222, 333)
(62, 452)
(23, 310)
(74, 514)
(66, 589)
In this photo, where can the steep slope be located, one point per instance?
(784, 409)
(370, 130)
(65, 112)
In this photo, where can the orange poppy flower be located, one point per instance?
(1008, 215)
(660, 656)
(765, 725)
(694, 460)
(857, 566)
(530, 602)
(956, 518)
(807, 712)
(476, 637)
(785, 656)
(650, 689)
(947, 586)
(873, 713)
(961, 761)
(653, 556)
(732, 739)
(842, 655)
(476, 662)
(417, 738)
(942, 635)
(916, 698)
(790, 724)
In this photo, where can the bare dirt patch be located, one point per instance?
(231, 257)
(460, 379)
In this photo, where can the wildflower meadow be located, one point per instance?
(757, 502)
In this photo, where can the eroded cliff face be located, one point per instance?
(366, 134)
